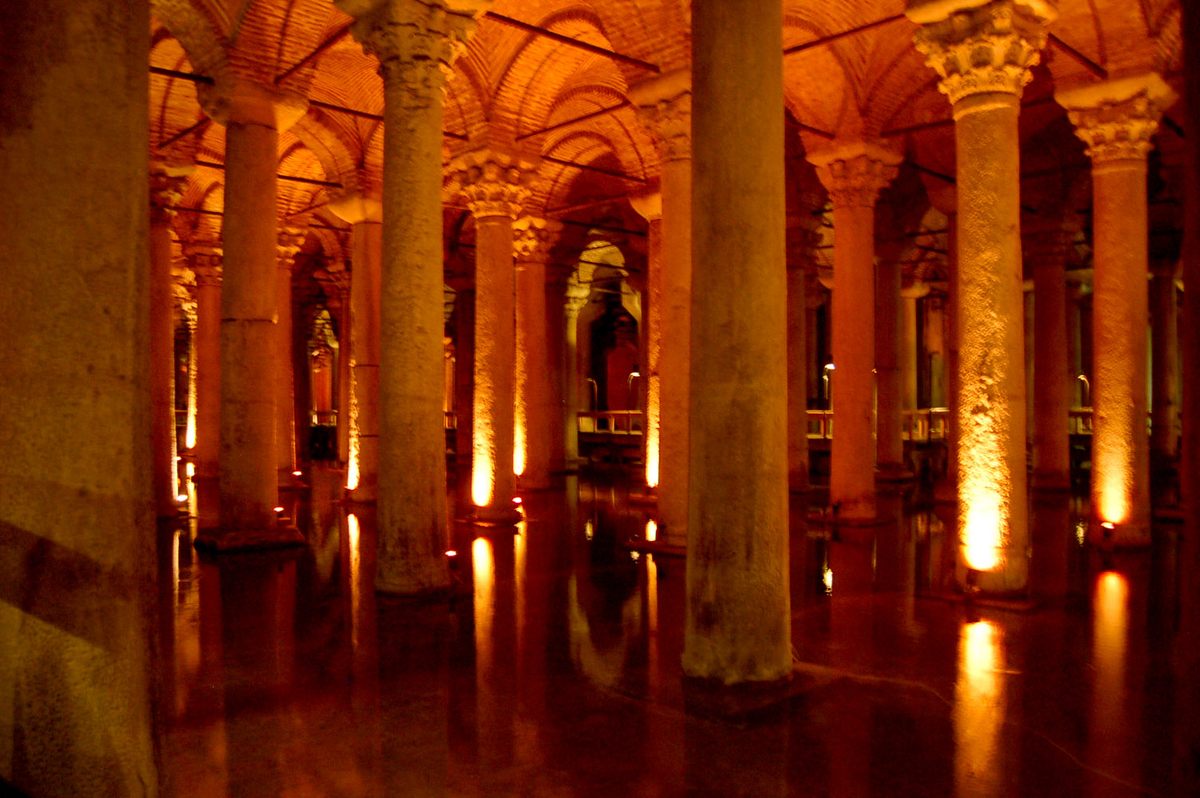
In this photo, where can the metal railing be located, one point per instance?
(926, 424)
(611, 422)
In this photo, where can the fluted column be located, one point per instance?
(415, 43)
(493, 186)
(983, 55)
(649, 205)
(1164, 334)
(854, 173)
(289, 241)
(1051, 370)
(365, 215)
(738, 623)
(1116, 120)
(665, 106)
(576, 297)
(532, 413)
(166, 185)
(205, 260)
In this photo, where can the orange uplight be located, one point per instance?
(981, 534)
(652, 430)
(483, 461)
(189, 435)
(352, 448)
(519, 447)
(1112, 492)
(651, 534)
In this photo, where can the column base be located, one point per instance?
(494, 516)
(359, 496)
(742, 701)
(218, 541)
(646, 498)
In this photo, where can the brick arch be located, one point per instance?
(337, 157)
(198, 30)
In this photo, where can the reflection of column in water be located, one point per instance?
(978, 711)
(1111, 716)
(209, 695)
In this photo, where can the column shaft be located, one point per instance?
(572, 376)
(208, 373)
(888, 375)
(285, 399)
(1051, 452)
(533, 412)
(1164, 427)
(464, 380)
(362, 478)
(738, 618)
(797, 375)
(652, 425)
(162, 368)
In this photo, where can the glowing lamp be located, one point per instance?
(181, 497)
(297, 473)
(651, 534)
(516, 499)
(981, 537)
(279, 509)
(451, 553)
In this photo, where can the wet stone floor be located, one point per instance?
(554, 670)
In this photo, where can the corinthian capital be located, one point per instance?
(665, 106)
(533, 237)
(984, 48)
(287, 244)
(492, 183)
(204, 258)
(166, 187)
(855, 172)
(1117, 118)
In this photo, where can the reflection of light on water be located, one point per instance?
(827, 580)
(353, 536)
(588, 530)
(1110, 629)
(1080, 531)
(520, 544)
(978, 695)
(651, 534)
(635, 556)
(483, 570)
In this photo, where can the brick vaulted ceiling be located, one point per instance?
(514, 88)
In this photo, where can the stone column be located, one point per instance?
(166, 185)
(983, 55)
(415, 42)
(1075, 292)
(577, 296)
(340, 285)
(649, 205)
(364, 213)
(1116, 120)
(205, 260)
(889, 418)
(910, 344)
(1164, 320)
(77, 541)
(533, 411)
(854, 173)
(493, 186)
(464, 381)
(665, 107)
(253, 116)
(1051, 370)
(738, 623)
(797, 375)
(289, 241)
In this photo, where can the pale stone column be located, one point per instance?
(252, 115)
(910, 343)
(1164, 333)
(415, 43)
(289, 241)
(493, 186)
(1116, 120)
(983, 55)
(738, 623)
(665, 107)
(1051, 369)
(166, 185)
(649, 205)
(797, 376)
(205, 260)
(364, 213)
(854, 173)
(576, 297)
(78, 673)
(532, 414)
(889, 443)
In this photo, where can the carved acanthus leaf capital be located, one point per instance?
(577, 295)
(665, 107)
(492, 183)
(533, 237)
(166, 187)
(854, 173)
(1117, 119)
(287, 245)
(205, 261)
(982, 49)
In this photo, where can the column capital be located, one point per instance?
(166, 187)
(981, 48)
(205, 260)
(240, 100)
(288, 242)
(492, 183)
(648, 204)
(356, 207)
(577, 296)
(416, 41)
(855, 172)
(533, 237)
(1117, 118)
(664, 104)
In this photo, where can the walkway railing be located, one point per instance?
(927, 424)
(611, 422)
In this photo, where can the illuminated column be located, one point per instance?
(253, 116)
(341, 280)
(797, 374)
(289, 241)
(738, 623)
(889, 443)
(854, 174)
(649, 205)
(1051, 371)
(983, 55)
(665, 106)
(415, 43)
(1164, 320)
(1075, 293)
(532, 414)
(493, 186)
(364, 213)
(464, 379)
(205, 261)
(910, 342)
(166, 184)
(1116, 120)
(576, 297)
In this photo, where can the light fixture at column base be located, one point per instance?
(494, 516)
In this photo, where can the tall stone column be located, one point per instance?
(983, 55)
(464, 380)
(289, 241)
(665, 106)
(1116, 120)
(910, 343)
(248, 488)
(854, 173)
(415, 42)
(493, 186)
(738, 623)
(532, 414)
(340, 285)
(1075, 291)
(205, 260)
(576, 297)
(797, 375)
(166, 185)
(1051, 370)
(364, 213)
(889, 374)
(1164, 337)
(649, 205)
